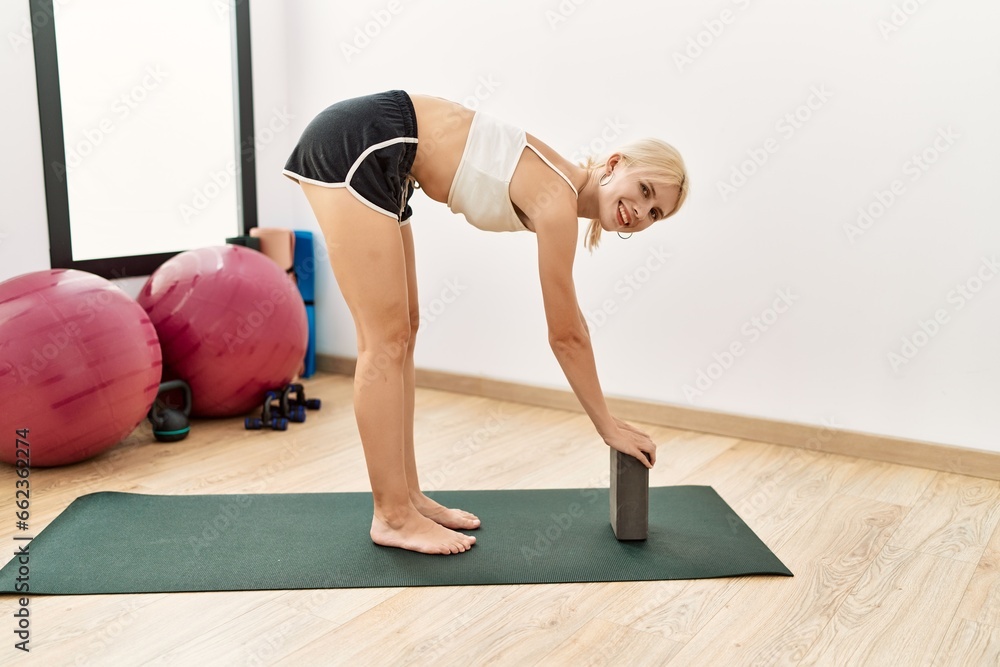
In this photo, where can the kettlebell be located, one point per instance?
(170, 424)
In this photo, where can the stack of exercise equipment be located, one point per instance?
(293, 252)
(80, 365)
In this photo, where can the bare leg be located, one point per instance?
(450, 518)
(367, 258)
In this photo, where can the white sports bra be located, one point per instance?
(481, 189)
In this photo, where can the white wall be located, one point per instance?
(24, 236)
(608, 72)
(885, 80)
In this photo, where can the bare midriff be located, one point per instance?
(442, 131)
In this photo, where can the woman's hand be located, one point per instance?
(627, 439)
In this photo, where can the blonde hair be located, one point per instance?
(654, 156)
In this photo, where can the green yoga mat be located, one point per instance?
(113, 542)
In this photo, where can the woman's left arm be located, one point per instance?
(569, 336)
(556, 227)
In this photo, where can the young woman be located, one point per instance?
(358, 162)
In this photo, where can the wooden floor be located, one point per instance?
(893, 565)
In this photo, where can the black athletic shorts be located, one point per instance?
(365, 144)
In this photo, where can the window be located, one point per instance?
(147, 129)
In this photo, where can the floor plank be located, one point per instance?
(955, 518)
(828, 555)
(600, 642)
(981, 602)
(889, 483)
(893, 616)
(968, 644)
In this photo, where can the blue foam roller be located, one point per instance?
(305, 275)
(310, 361)
(305, 265)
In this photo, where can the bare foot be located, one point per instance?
(416, 532)
(449, 518)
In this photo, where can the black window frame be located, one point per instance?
(54, 154)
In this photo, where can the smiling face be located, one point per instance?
(633, 198)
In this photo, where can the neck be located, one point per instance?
(586, 203)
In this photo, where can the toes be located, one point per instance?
(470, 520)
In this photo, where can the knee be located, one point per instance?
(387, 346)
(395, 341)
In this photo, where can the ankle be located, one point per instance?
(395, 515)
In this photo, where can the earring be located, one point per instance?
(624, 237)
(608, 176)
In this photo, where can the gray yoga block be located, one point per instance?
(629, 497)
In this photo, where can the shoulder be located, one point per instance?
(573, 171)
(540, 192)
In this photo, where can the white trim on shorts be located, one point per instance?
(354, 167)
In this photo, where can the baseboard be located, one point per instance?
(933, 456)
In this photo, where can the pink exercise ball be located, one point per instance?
(79, 365)
(231, 324)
